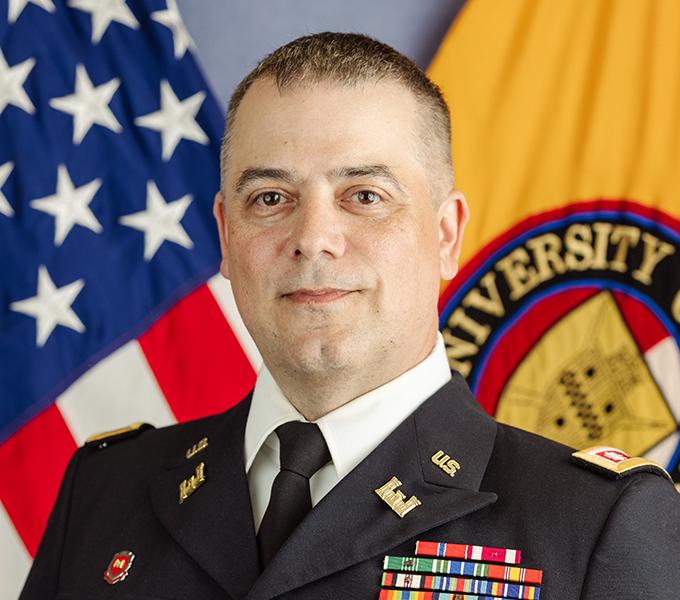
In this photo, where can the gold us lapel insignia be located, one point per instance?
(394, 498)
(445, 463)
(197, 447)
(189, 486)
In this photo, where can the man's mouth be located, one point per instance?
(317, 296)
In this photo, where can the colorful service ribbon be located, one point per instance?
(442, 550)
(425, 595)
(459, 584)
(468, 569)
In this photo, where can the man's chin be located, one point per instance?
(321, 355)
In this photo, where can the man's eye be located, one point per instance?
(366, 197)
(269, 199)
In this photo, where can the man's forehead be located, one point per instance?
(315, 127)
(319, 112)
(265, 91)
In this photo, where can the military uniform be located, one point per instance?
(594, 536)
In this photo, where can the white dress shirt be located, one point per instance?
(351, 431)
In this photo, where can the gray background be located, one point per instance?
(232, 35)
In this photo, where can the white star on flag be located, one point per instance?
(16, 7)
(51, 306)
(69, 205)
(173, 20)
(160, 221)
(89, 105)
(12, 84)
(5, 207)
(176, 120)
(103, 13)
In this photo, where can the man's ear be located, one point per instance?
(221, 220)
(452, 217)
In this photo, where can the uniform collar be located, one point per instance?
(355, 429)
(352, 524)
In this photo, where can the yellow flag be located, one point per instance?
(566, 141)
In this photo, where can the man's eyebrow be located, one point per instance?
(257, 173)
(382, 171)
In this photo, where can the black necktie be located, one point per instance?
(303, 452)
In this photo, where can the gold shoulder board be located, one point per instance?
(616, 463)
(101, 440)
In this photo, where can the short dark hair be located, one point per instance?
(348, 59)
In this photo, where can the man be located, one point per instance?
(337, 218)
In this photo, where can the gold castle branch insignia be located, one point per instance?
(395, 498)
(189, 486)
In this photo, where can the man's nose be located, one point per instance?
(317, 230)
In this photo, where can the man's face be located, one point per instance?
(332, 240)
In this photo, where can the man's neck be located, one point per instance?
(316, 394)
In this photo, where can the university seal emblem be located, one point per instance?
(568, 326)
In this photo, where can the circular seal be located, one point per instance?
(567, 325)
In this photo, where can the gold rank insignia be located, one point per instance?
(616, 463)
(197, 447)
(445, 463)
(395, 498)
(189, 486)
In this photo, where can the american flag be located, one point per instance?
(111, 308)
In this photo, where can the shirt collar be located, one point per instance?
(355, 429)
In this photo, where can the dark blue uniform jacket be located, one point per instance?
(595, 537)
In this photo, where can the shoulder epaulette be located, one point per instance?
(102, 440)
(615, 463)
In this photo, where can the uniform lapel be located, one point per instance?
(214, 525)
(352, 524)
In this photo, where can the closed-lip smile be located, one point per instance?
(316, 296)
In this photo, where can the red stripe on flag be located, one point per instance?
(33, 462)
(196, 358)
